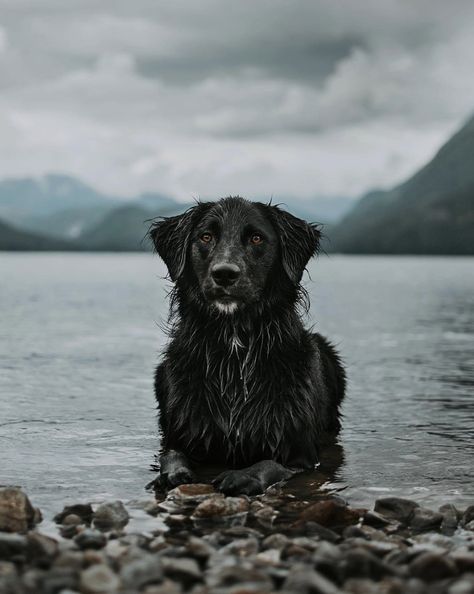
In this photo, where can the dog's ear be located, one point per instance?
(299, 241)
(171, 236)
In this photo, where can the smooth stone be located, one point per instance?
(431, 567)
(72, 520)
(167, 587)
(275, 541)
(41, 549)
(184, 570)
(450, 521)
(111, 515)
(199, 548)
(227, 511)
(70, 559)
(269, 556)
(308, 581)
(90, 539)
(330, 513)
(242, 547)
(424, 520)
(463, 586)
(81, 510)
(395, 508)
(142, 571)
(361, 563)
(16, 512)
(468, 516)
(321, 532)
(243, 577)
(185, 497)
(59, 579)
(99, 579)
(12, 545)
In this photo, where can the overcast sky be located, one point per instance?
(209, 98)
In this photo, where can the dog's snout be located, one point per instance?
(225, 275)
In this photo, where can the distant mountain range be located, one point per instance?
(77, 217)
(430, 213)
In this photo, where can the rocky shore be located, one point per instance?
(198, 541)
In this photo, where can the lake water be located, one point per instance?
(80, 336)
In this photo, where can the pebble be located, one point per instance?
(431, 567)
(218, 544)
(99, 579)
(90, 539)
(111, 515)
(142, 571)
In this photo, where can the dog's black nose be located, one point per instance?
(225, 274)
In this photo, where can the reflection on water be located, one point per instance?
(79, 338)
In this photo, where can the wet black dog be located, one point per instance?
(242, 382)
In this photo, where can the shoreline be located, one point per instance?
(199, 541)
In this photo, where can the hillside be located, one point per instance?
(13, 239)
(430, 213)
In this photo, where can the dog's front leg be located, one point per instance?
(253, 479)
(175, 469)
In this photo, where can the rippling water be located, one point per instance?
(79, 338)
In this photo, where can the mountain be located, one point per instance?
(13, 239)
(430, 213)
(125, 228)
(320, 209)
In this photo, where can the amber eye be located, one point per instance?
(256, 239)
(206, 237)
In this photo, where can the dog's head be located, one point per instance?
(234, 252)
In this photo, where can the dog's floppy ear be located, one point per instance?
(171, 237)
(299, 241)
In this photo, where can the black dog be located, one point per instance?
(242, 383)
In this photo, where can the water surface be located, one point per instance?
(80, 336)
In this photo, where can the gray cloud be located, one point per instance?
(257, 97)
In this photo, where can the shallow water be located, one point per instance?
(79, 338)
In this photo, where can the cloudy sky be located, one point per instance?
(257, 97)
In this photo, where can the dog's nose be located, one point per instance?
(225, 275)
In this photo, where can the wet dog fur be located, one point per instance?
(242, 383)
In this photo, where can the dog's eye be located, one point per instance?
(256, 239)
(206, 237)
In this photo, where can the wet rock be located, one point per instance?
(228, 511)
(16, 512)
(142, 571)
(199, 548)
(70, 559)
(464, 560)
(12, 546)
(468, 516)
(185, 571)
(269, 556)
(243, 547)
(308, 581)
(99, 579)
(81, 510)
(432, 566)
(111, 516)
(72, 520)
(275, 541)
(450, 521)
(396, 508)
(423, 520)
(40, 549)
(316, 530)
(9, 579)
(167, 587)
(372, 518)
(60, 579)
(184, 498)
(241, 577)
(90, 539)
(463, 586)
(330, 513)
(361, 563)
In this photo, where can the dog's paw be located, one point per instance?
(237, 482)
(178, 476)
